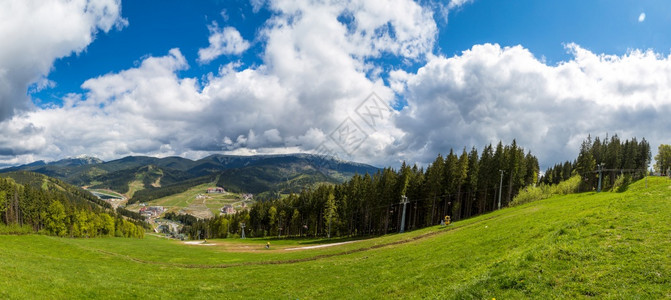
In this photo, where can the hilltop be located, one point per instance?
(606, 245)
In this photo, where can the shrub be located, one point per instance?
(535, 193)
(529, 194)
(16, 229)
(570, 186)
(621, 183)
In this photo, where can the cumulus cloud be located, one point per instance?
(313, 76)
(316, 71)
(223, 41)
(641, 17)
(134, 111)
(35, 33)
(490, 93)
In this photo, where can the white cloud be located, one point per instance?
(35, 33)
(223, 41)
(641, 17)
(257, 5)
(316, 69)
(443, 8)
(491, 93)
(41, 84)
(312, 77)
(457, 3)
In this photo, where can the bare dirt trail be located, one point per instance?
(199, 243)
(319, 246)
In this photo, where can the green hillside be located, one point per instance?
(274, 178)
(32, 202)
(607, 245)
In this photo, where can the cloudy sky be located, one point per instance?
(372, 81)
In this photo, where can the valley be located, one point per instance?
(198, 202)
(175, 183)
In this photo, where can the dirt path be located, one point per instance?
(199, 243)
(319, 246)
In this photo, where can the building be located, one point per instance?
(228, 209)
(156, 209)
(151, 211)
(216, 190)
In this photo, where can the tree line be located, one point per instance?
(49, 206)
(663, 160)
(459, 185)
(628, 159)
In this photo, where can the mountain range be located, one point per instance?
(257, 174)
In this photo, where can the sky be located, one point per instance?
(377, 82)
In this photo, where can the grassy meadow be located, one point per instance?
(606, 246)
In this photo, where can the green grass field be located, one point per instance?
(604, 246)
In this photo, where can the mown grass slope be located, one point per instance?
(607, 245)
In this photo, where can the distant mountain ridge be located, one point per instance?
(77, 161)
(279, 173)
(66, 162)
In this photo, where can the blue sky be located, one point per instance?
(543, 27)
(155, 26)
(191, 78)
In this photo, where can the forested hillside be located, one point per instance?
(458, 185)
(48, 205)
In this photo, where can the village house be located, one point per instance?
(151, 211)
(217, 190)
(228, 209)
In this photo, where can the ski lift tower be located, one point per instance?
(404, 201)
